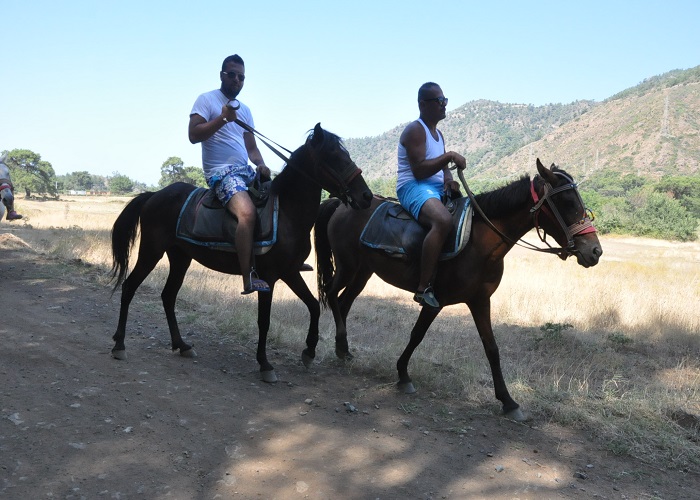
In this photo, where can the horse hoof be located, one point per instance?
(269, 376)
(306, 359)
(517, 415)
(345, 356)
(189, 353)
(120, 355)
(406, 387)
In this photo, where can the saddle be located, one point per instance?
(394, 230)
(205, 221)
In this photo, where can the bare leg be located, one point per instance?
(434, 216)
(241, 206)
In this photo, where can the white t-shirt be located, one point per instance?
(226, 147)
(433, 149)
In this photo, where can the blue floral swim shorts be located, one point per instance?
(231, 180)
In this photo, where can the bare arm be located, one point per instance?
(413, 139)
(200, 130)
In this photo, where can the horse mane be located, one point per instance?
(504, 200)
(329, 141)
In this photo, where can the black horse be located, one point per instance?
(549, 202)
(322, 162)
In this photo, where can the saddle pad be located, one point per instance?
(393, 230)
(204, 221)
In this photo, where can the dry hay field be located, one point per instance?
(613, 350)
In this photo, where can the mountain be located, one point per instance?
(652, 129)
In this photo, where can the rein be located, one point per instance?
(582, 227)
(343, 184)
(264, 139)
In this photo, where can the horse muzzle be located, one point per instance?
(587, 249)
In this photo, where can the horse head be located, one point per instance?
(336, 172)
(559, 210)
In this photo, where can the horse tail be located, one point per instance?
(124, 234)
(325, 268)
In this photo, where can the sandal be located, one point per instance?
(256, 285)
(427, 298)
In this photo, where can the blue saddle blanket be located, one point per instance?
(395, 231)
(203, 220)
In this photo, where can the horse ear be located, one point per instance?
(318, 134)
(3, 157)
(539, 166)
(545, 172)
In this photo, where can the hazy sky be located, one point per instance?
(107, 86)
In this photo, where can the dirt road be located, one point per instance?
(74, 423)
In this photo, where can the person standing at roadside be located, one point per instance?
(6, 183)
(423, 178)
(226, 150)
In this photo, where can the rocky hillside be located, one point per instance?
(651, 129)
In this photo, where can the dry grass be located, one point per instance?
(614, 349)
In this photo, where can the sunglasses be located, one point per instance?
(442, 101)
(234, 74)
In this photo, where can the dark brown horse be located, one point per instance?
(550, 202)
(322, 162)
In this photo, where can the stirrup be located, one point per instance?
(427, 298)
(256, 284)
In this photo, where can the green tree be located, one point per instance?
(99, 183)
(685, 189)
(82, 180)
(658, 215)
(30, 173)
(195, 175)
(79, 181)
(172, 170)
(120, 184)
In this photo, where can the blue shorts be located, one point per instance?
(230, 181)
(413, 194)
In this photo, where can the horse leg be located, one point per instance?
(297, 284)
(179, 264)
(425, 319)
(481, 312)
(341, 308)
(144, 266)
(264, 306)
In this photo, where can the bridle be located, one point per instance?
(583, 226)
(342, 179)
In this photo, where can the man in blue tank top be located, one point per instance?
(423, 178)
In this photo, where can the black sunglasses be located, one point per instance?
(442, 101)
(234, 74)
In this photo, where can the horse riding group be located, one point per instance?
(549, 202)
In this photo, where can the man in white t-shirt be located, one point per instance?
(226, 150)
(423, 177)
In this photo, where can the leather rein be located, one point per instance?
(583, 226)
(343, 183)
